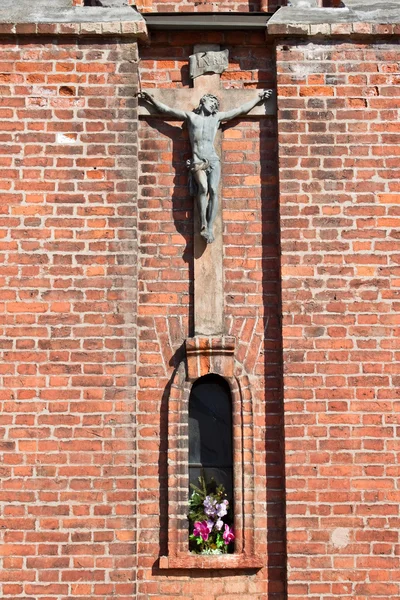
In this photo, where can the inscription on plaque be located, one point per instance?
(208, 62)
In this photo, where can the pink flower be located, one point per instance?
(201, 529)
(228, 535)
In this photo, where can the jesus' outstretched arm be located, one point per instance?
(244, 108)
(163, 108)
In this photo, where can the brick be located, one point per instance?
(336, 427)
(53, 370)
(81, 518)
(166, 235)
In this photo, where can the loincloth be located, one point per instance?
(195, 166)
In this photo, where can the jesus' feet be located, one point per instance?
(207, 235)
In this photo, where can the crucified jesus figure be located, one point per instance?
(205, 166)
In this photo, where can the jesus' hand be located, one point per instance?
(145, 96)
(264, 95)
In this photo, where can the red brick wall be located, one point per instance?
(199, 6)
(165, 310)
(339, 158)
(207, 6)
(220, 6)
(67, 273)
(73, 524)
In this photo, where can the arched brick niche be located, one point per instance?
(210, 355)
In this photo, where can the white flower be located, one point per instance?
(222, 508)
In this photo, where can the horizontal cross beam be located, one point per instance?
(189, 98)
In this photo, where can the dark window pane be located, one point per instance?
(210, 430)
(224, 476)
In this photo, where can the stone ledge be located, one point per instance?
(224, 561)
(326, 22)
(136, 29)
(356, 29)
(31, 18)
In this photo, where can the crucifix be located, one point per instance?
(204, 167)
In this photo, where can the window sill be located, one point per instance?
(224, 561)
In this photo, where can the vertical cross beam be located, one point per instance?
(208, 258)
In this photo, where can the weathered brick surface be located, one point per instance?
(67, 273)
(165, 314)
(339, 158)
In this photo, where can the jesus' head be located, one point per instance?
(209, 102)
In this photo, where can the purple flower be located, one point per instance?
(222, 508)
(219, 524)
(202, 530)
(210, 506)
(228, 535)
(210, 525)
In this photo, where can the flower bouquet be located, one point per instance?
(210, 518)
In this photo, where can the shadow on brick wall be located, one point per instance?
(273, 368)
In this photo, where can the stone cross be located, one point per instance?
(206, 64)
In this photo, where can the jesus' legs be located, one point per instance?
(213, 185)
(202, 200)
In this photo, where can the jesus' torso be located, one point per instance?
(202, 132)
